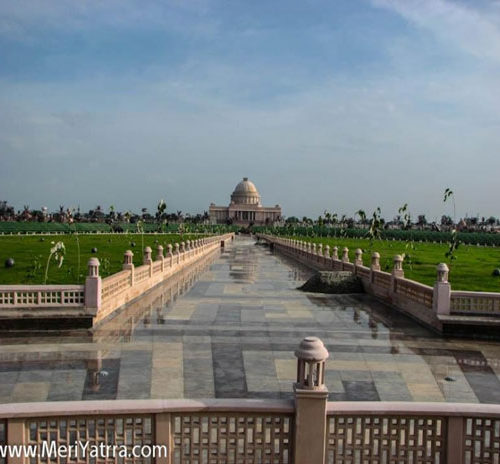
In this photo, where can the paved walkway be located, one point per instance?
(229, 328)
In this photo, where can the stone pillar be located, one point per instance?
(397, 270)
(183, 250)
(311, 397)
(93, 287)
(313, 250)
(345, 255)
(335, 252)
(147, 255)
(441, 300)
(327, 251)
(177, 252)
(320, 249)
(170, 255)
(358, 260)
(148, 260)
(129, 264)
(159, 256)
(188, 247)
(375, 261)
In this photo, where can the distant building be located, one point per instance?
(245, 208)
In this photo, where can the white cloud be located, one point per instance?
(476, 31)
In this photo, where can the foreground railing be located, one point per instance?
(255, 431)
(430, 433)
(309, 430)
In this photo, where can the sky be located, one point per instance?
(325, 105)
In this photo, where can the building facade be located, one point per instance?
(245, 208)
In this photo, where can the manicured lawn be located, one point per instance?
(27, 250)
(472, 270)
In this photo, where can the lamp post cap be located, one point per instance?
(312, 349)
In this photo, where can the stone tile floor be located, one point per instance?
(228, 328)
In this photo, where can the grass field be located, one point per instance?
(472, 270)
(31, 252)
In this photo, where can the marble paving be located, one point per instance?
(228, 329)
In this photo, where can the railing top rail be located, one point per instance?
(142, 267)
(117, 407)
(414, 283)
(458, 293)
(35, 288)
(372, 408)
(116, 276)
(388, 274)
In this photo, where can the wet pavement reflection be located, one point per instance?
(228, 326)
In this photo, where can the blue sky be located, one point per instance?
(324, 105)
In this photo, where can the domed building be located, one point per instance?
(245, 208)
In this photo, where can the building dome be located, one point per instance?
(246, 193)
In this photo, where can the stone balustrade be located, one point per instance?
(304, 430)
(98, 298)
(432, 306)
(28, 296)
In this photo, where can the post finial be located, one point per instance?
(311, 359)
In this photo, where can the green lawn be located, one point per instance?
(472, 270)
(31, 252)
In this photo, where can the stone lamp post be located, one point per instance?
(311, 396)
(442, 290)
(375, 261)
(358, 261)
(93, 285)
(147, 255)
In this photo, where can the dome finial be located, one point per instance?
(245, 178)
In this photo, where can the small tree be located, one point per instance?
(160, 212)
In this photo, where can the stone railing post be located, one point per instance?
(128, 264)
(375, 265)
(170, 255)
(177, 252)
(183, 250)
(345, 255)
(188, 248)
(327, 251)
(311, 397)
(358, 260)
(148, 260)
(335, 252)
(397, 272)
(455, 440)
(441, 298)
(163, 435)
(160, 257)
(93, 286)
(147, 255)
(17, 434)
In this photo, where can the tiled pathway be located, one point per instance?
(229, 329)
